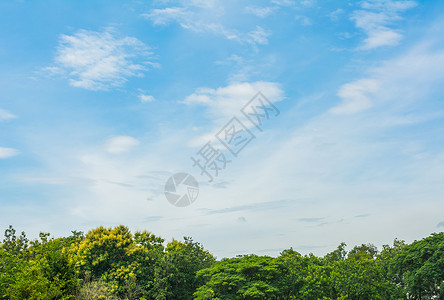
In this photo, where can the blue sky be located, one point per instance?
(102, 101)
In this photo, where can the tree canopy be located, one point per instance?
(113, 263)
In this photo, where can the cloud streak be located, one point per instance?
(208, 19)
(375, 19)
(356, 96)
(121, 144)
(224, 102)
(6, 115)
(8, 152)
(146, 98)
(261, 12)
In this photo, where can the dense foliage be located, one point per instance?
(113, 263)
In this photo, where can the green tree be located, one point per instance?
(22, 279)
(53, 258)
(124, 262)
(95, 290)
(317, 283)
(366, 250)
(243, 277)
(385, 258)
(16, 245)
(176, 272)
(337, 255)
(419, 267)
(360, 277)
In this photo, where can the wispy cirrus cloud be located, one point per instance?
(261, 206)
(146, 98)
(294, 2)
(261, 12)
(6, 115)
(207, 18)
(356, 96)
(259, 36)
(409, 77)
(311, 220)
(164, 16)
(100, 60)
(334, 15)
(375, 19)
(121, 144)
(8, 152)
(224, 102)
(362, 216)
(276, 5)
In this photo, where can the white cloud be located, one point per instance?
(258, 36)
(121, 144)
(284, 2)
(381, 37)
(6, 115)
(388, 5)
(99, 60)
(261, 12)
(308, 2)
(8, 152)
(205, 3)
(166, 15)
(408, 78)
(225, 102)
(146, 98)
(334, 15)
(205, 19)
(293, 2)
(189, 17)
(244, 69)
(305, 21)
(374, 19)
(355, 96)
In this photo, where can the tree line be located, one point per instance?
(113, 263)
